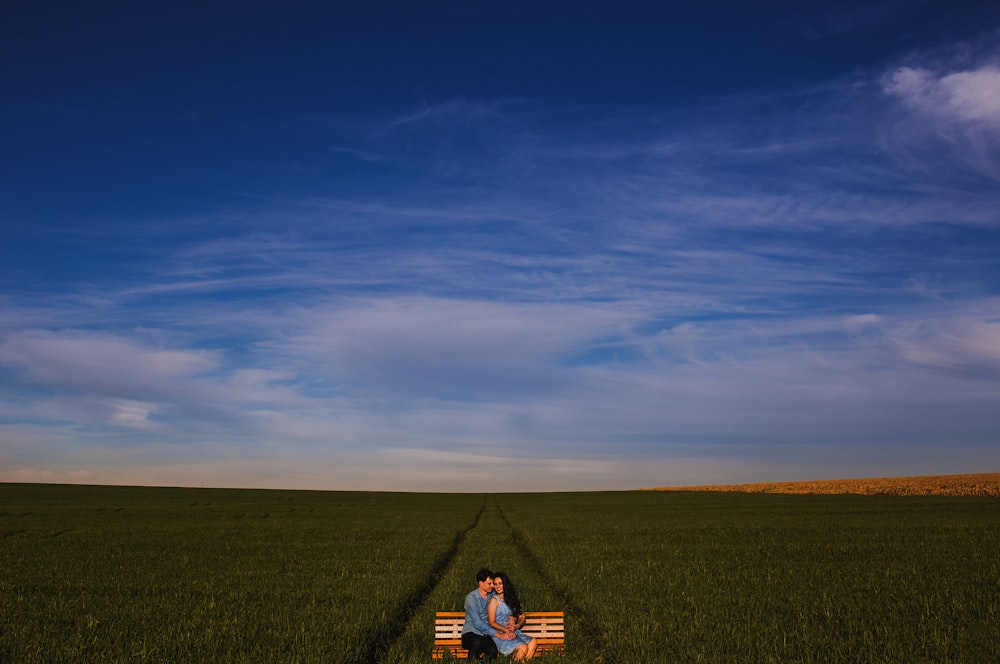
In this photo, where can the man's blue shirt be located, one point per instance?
(476, 618)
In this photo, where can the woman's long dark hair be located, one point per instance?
(510, 595)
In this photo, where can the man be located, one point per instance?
(476, 631)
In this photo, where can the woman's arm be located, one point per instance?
(491, 615)
(521, 619)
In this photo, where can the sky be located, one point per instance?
(517, 246)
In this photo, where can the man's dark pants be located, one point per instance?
(478, 645)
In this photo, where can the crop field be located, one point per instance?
(975, 484)
(126, 574)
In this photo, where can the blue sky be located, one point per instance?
(498, 246)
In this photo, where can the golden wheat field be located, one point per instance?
(978, 484)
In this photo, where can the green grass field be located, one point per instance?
(124, 574)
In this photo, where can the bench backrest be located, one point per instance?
(545, 626)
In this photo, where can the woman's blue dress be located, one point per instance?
(510, 645)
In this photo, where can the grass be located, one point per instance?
(116, 574)
(166, 575)
(774, 578)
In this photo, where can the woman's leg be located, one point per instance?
(532, 647)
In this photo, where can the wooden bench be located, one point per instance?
(545, 626)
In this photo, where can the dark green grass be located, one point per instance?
(772, 578)
(167, 575)
(119, 574)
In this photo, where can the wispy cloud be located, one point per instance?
(950, 105)
(116, 365)
(970, 98)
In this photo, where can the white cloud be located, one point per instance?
(860, 322)
(98, 360)
(965, 344)
(975, 95)
(132, 414)
(971, 96)
(453, 112)
(428, 347)
(958, 111)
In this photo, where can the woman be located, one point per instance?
(505, 615)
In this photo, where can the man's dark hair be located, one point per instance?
(483, 574)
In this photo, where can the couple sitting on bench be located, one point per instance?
(493, 618)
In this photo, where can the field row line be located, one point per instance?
(398, 635)
(581, 621)
(410, 606)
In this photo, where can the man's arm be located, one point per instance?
(474, 614)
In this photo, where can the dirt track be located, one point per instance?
(981, 484)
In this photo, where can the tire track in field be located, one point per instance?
(581, 621)
(396, 625)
